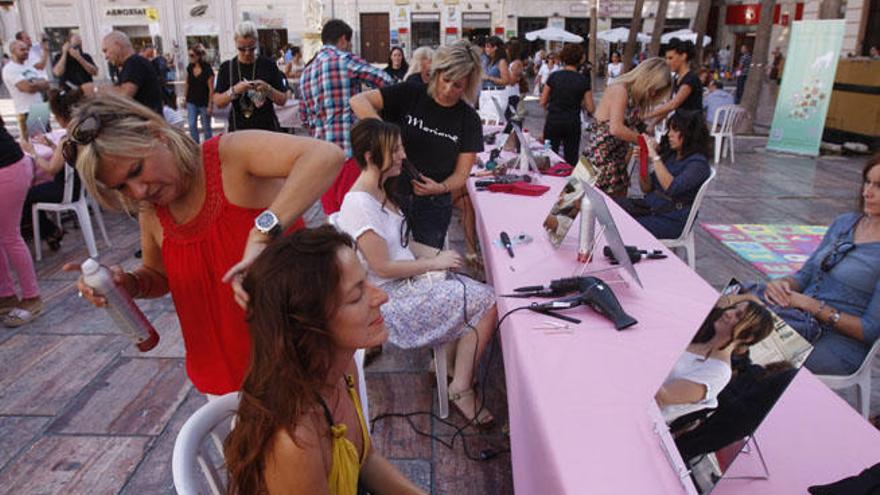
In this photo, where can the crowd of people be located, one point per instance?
(273, 304)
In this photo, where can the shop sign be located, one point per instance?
(400, 18)
(750, 14)
(150, 13)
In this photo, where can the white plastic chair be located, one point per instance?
(211, 420)
(80, 207)
(188, 446)
(438, 350)
(726, 121)
(861, 378)
(686, 239)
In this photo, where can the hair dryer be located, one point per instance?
(594, 293)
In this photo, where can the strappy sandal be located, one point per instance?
(484, 421)
(9, 303)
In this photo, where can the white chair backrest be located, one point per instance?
(869, 358)
(69, 175)
(727, 118)
(695, 206)
(189, 441)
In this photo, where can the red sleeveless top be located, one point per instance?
(196, 256)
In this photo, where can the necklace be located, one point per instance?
(245, 102)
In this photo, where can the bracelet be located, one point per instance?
(819, 309)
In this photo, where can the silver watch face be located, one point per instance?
(266, 220)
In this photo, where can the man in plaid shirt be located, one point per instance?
(330, 80)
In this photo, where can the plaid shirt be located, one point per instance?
(327, 83)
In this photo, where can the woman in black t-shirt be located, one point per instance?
(567, 91)
(397, 65)
(441, 135)
(687, 90)
(199, 92)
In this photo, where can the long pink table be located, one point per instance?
(579, 402)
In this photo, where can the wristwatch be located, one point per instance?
(268, 224)
(835, 317)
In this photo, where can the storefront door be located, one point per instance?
(375, 37)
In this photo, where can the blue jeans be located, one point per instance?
(430, 216)
(192, 113)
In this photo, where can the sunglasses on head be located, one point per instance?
(83, 133)
(836, 255)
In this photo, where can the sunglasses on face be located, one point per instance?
(248, 49)
(836, 255)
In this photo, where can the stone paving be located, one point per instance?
(82, 411)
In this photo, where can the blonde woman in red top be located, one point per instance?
(205, 212)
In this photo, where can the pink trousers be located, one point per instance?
(15, 180)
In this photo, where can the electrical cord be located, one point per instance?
(482, 378)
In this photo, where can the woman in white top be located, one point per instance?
(702, 372)
(550, 66)
(427, 305)
(615, 68)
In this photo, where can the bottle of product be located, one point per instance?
(547, 145)
(586, 237)
(120, 306)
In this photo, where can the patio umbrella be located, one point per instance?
(621, 35)
(553, 34)
(684, 35)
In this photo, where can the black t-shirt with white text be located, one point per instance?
(433, 135)
(567, 90)
(263, 117)
(694, 101)
(139, 71)
(74, 72)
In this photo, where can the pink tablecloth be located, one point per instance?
(578, 402)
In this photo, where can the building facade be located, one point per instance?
(172, 25)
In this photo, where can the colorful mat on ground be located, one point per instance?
(775, 250)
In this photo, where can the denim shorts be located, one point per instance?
(430, 217)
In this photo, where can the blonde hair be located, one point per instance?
(650, 76)
(128, 130)
(420, 54)
(457, 61)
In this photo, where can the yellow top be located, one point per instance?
(345, 465)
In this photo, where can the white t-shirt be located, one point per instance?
(361, 212)
(711, 372)
(13, 73)
(545, 72)
(35, 54)
(614, 71)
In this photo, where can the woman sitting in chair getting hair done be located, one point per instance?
(299, 426)
(671, 188)
(427, 307)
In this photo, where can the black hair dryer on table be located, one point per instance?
(598, 295)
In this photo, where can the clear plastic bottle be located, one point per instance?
(120, 306)
(547, 145)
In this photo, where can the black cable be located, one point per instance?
(485, 454)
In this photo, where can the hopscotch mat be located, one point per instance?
(775, 250)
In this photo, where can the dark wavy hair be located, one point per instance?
(755, 325)
(294, 291)
(501, 50)
(694, 132)
(686, 47)
(872, 162)
(403, 64)
(378, 138)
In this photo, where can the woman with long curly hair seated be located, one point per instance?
(299, 426)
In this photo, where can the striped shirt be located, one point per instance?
(327, 83)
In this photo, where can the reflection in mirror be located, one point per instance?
(725, 382)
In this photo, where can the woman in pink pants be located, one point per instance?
(16, 174)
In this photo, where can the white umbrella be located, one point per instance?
(554, 34)
(621, 35)
(684, 35)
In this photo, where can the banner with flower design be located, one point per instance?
(805, 90)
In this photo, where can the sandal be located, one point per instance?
(484, 419)
(18, 316)
(8, 303)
